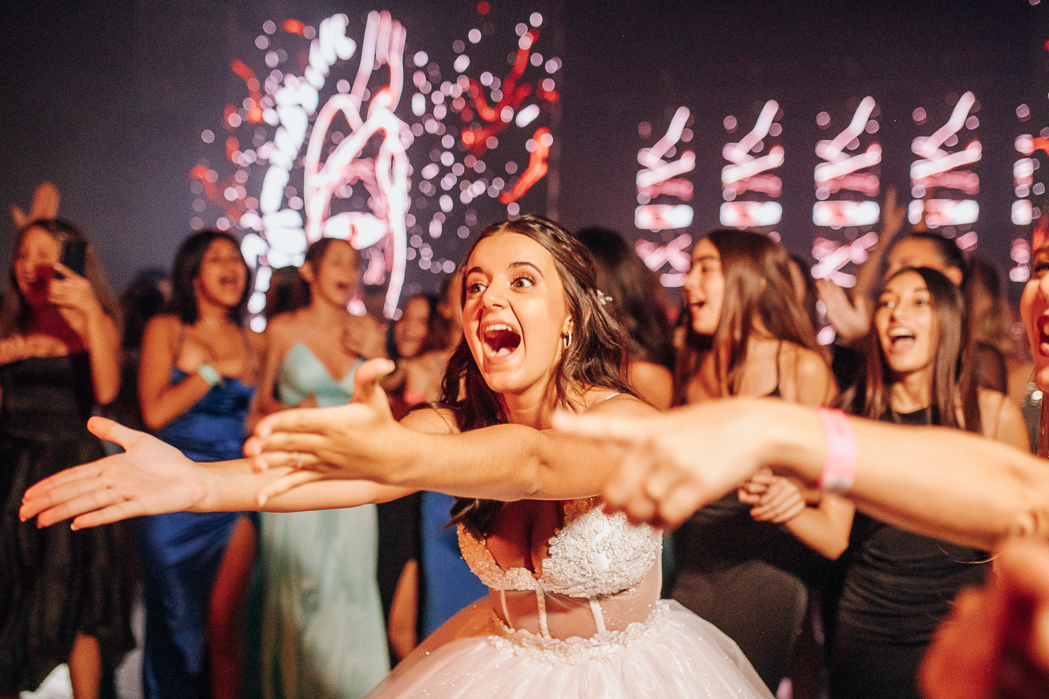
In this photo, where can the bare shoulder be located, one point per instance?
(603, 401)
(1001, 418)
(431, 421)
(280, 331)
(653, 382)
(810, 364)
(811, 375)
(162, 329)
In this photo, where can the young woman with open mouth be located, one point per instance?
(318, 568)
(197, 378)
(574, 608)
(746, 334)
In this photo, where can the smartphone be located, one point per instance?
(73, 254)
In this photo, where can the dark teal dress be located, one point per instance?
(54, 582)
(181, 552)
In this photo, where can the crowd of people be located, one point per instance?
(810, 553)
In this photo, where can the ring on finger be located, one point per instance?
(300, 459)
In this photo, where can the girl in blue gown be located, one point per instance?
(196, 382)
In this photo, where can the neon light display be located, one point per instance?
(340, 149)
(746, 173)
(1026, 186)
(936, 170)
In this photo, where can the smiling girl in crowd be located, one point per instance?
(747, 335)
(196, 381)
(318, 568)
(574, 607)
(898, 585)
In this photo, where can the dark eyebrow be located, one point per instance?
(526, 263)
(475, 268)
(704, 258)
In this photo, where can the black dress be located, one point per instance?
(746, 577)
(54, 583)
(898, 587)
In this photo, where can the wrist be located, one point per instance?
(793, 442)
(209, 374)
(841, 455)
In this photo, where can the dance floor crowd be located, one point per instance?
(346, 504)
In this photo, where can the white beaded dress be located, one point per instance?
(589, 624)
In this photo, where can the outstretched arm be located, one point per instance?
(152, 477)
(502, 462)
(935, 481)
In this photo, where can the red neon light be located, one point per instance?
(211, 191)
(255, 111)
(475, 139)
(482, 8)
(294, 26)
(535, 171)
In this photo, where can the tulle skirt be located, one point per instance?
(672, 654)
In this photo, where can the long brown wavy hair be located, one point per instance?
(954, 387)
(592, 360)
(758, 285)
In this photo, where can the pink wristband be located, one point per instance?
(839, 465)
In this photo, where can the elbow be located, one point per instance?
(107, 394)
(152, 419)
(835, 550)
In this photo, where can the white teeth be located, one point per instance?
(498, 327)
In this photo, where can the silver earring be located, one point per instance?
(567, 339)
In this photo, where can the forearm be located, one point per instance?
(103, 346)
(935, 481)
(502, 462)
(162, 405)
(230, 486)
(824, 528)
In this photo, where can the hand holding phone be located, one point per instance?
(73, 255)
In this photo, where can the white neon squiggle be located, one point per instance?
(385, 176)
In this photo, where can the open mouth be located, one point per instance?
(901, 339)
(500, 340)
(1043, 335)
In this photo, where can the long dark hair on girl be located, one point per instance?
(758, 285)
(954, 388)
(593, 359)
(636, 296)
(188, 260)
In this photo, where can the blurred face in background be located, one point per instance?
(705, 288)
(34, 265)
(335, 278)
(222, 274)
(410, 331)
(1034, 309)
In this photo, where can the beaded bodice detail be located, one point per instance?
(593, 554)
(598, 590)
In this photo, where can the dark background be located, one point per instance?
(107, 99)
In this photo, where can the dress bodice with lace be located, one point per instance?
(588, 622)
